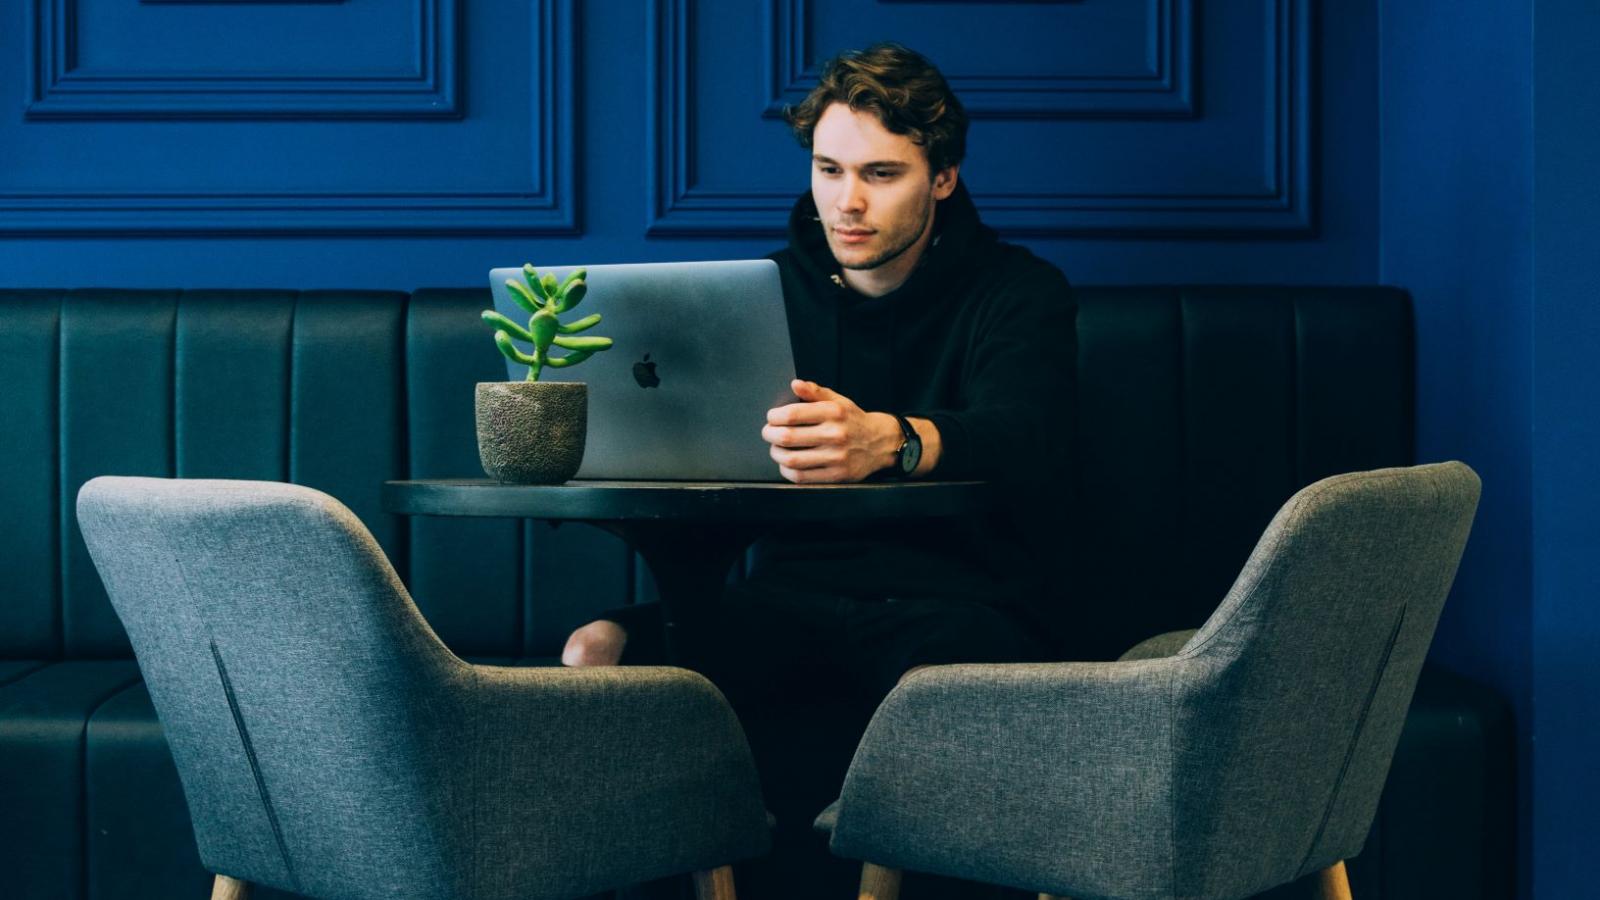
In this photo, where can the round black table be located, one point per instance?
(689, 533)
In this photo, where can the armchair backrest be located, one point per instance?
(1293, 695)
(305, 700)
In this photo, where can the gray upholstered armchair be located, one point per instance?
(1242, 756)
(329, 744)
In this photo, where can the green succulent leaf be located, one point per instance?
(591, 344)
(503, 341)
(535, 282)
(574, 295)
(506, 325)
(578, 274)
(543, 326)
(523, 296)
(544, 297)
(583, 324)
(571, 359)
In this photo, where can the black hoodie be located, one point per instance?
(980, 341)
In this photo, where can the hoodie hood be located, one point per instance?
(957, 235)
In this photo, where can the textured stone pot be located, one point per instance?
(532, 432)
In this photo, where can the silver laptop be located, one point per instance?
(702, 352)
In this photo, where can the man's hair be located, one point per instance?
(902, 88)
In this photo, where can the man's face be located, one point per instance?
(871, 187)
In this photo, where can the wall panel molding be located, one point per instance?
(546, 205)
(60, 88)
(1282, 205)
(254, 2)
(1165, 89)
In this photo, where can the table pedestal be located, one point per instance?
(690, 562)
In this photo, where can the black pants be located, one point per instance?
(804, 670)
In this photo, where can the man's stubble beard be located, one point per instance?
(893, 253)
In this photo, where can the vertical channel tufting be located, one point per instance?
(347, 433)
(30, 589)
(291, 471)
(448, 351)
(116, 396)
(1238, 349)
(230, 375)
(402, 350)
(1129, 403)
(1357, 375)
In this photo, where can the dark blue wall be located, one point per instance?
(1566, 434)
(1488, 208)
(1456, 201)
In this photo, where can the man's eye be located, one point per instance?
(883, 173)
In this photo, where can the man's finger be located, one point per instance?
(810, 390)
(803, 435)
(805, 459)
(830, 475)
(801, 414)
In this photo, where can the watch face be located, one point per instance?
(910, 455)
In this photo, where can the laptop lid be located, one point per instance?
(701, 353)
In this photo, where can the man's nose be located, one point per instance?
(852, 197)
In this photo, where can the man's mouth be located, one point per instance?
(853, 235)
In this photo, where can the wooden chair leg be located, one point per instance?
(714, 884)
(1333, 883)
(879, 883)
(225, 888)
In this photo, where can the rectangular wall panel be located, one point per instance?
(1207, 132)
(339, 141)
(243, 61)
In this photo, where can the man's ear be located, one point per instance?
(944, 182)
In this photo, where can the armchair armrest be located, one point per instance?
(1045, 777)
(577, 770)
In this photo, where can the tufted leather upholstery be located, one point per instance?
(1199, 411)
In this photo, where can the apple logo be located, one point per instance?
(644, 372)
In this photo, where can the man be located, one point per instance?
(925, 347)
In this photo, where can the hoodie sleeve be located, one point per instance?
(1015, 416)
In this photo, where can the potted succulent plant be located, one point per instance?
(532, 432)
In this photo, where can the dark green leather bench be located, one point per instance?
(1199, 412)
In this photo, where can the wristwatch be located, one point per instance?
(910, 452)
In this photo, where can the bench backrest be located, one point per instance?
(1200, 410)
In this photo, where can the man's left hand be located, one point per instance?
(827, 438)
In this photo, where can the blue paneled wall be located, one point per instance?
(398, 143)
